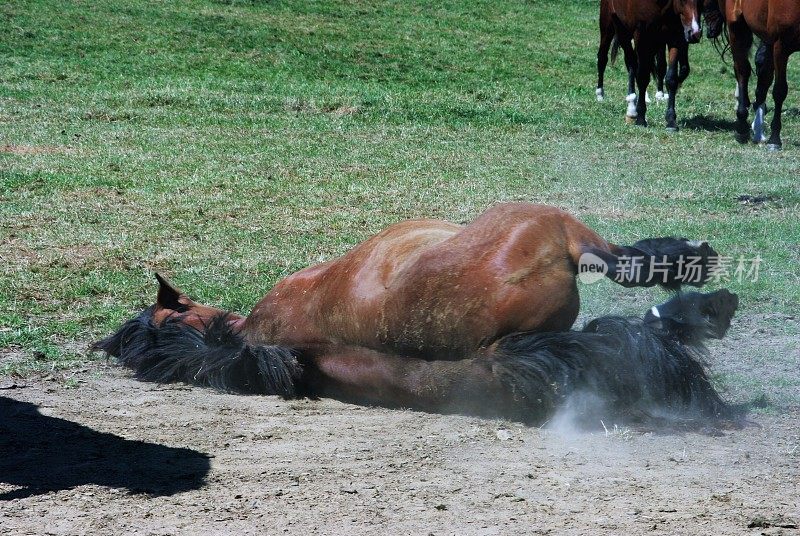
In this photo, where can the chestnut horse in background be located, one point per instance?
(777, 23)
(443, 317)
(651, 24)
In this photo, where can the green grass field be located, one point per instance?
(230, 143)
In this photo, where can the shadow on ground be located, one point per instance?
(43, 454)
(709, 124)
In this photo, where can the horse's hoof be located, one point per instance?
(774, 147)
(743, 138)
(640, 122)
(630, 120)
(672, 129)
(661, 96)
(600, 94)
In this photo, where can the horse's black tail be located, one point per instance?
(615, 368)
(214, 357)
(668, 262)
(614, 49)
(717, 29)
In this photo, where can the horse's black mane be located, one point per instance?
(217, 357)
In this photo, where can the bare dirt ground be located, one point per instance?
(116, 456)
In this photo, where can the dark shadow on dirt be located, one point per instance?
(709, 124)
(43, 454)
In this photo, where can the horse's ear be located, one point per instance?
(169, 295)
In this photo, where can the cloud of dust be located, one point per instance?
(583, 411)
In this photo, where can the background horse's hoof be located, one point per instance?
(661, 96)
(631, 109)
(600, 94)
(630, 120)
(774, 146)
(672, 129)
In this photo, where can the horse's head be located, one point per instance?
(172, 303)
(689, 12)
(168, 322)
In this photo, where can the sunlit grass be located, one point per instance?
(229, 144)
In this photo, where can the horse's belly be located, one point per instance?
(443, 316)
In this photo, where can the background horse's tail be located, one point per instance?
(614, 49)
(615, 46)
(717, 29)
(669, 262)
(213, 357)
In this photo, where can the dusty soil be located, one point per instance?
(116, 456)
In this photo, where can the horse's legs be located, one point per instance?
(661, 72)
(606, 38)
(683, 64)
(740, 40)
(602, 61)
(672, 87)
(644, 59)
(766, 72)
(613, 365)
(630, 66)
(780, 58)
(479, 386)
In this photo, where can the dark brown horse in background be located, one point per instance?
(777, 23)
(443, 317)
(609, 42)
(652, 24)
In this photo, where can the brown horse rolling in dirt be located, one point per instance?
(453, 318)
(652, 24)
(777, 23)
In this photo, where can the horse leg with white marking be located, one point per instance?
(661, 73)
(606, 39)
(630, 66)
(765, 72)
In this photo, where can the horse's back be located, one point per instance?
(326, 301)
(433, 288)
